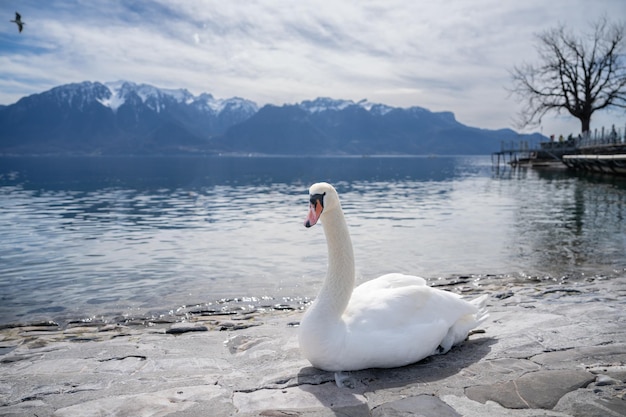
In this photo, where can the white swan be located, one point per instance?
(391, 321)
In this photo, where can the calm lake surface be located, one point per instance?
(107, 237)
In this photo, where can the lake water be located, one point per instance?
(105, 238)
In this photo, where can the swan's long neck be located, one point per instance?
(337, 289)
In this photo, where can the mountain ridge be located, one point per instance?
(124, 117)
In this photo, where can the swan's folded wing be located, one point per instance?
(386, 306)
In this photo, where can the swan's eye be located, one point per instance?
(317, 198)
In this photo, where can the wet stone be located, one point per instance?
(210, 313)
(34, 330)
(85, 323)
(180, 328)
(80, 329)
(34, 324)
(282, 307)
(503, 295)
(561, 291)
(229, 325)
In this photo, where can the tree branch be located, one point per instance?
(578, 74)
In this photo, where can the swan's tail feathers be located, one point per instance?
(464, 325)
(481, 304)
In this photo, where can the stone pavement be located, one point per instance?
(546, 351)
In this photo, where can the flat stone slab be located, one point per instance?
(422, 405)
(166, 402)
(301, 397)
(597, 357)
(540, 389)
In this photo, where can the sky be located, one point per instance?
(446, 55)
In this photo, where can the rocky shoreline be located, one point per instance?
(547, 350)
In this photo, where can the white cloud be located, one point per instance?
(450, 55)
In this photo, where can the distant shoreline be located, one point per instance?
(236, 155)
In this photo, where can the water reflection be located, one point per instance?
(567, 224)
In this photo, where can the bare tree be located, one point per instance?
(578, 74)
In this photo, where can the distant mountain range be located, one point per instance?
(124, 118)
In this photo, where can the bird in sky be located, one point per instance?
(18, 22)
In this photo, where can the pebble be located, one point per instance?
(179, 328)
(602, 380)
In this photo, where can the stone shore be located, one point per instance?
(545, 351)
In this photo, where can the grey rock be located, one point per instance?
(421, 405)
(179, 328)
(300, 397)
(585, 356)
(616, 370)
(164, 402)
(586, 403)
(540, 389)
(602, 380)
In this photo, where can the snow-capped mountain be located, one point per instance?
(159, 98)
(119, 117)
(115, 94)
(123, 117)
(322, 104)
(148, 94)
(76, 96)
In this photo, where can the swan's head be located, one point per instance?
(322, 199)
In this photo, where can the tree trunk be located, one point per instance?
(585, 122)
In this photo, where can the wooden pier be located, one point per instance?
(602, 151)
(522, 153)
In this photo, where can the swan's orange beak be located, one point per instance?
(315, 211)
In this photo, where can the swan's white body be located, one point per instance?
(391, 321)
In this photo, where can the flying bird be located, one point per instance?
(18, 22)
